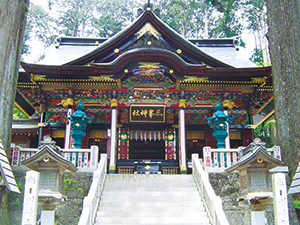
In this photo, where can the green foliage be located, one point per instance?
(190, 18)
(38, 25)
(228, 23)
(16, 202)
(80, 190)
(112, 16)
(17, 114)
(69, 181)
(258, 59)
(266, 132)
(297, 204)
(20, 186)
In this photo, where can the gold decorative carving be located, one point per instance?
(102, 77)
(113, 103)
(260, 160)
(66, 102)
(148, 28)
(181, 103)
(195, 79)
(38, 77)
(229, 104)
(149, 65)
(258, 80)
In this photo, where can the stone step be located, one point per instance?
(145, 178)
(145, 223)
(152, 220)
(132, 203)
(146, 197)
(150, 199)
(154, 208)
(152, 187)
(149, 213)
(173, 194)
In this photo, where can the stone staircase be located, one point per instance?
(151, 199)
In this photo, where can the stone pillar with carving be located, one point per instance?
(182, 137)
(113, 144)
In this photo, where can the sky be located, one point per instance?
(246, 37)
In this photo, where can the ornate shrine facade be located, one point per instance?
(148, 90)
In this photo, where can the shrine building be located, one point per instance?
(148, 90)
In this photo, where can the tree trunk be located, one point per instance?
(12, 27)
(284, 31)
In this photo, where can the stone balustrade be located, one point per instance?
(91, 201)
(212, 202)
(86, 160)
(218, 160)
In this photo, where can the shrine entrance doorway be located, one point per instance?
(147, 151)
(140, 149)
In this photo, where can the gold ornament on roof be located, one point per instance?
(228, 104)
(102, 77)
(66, 102)
(38, 77)
(195, 79)
(181, 103)
(148, 28)
(258, 80)
(149, 65)
(113, 103)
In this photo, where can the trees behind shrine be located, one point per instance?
(191, 18)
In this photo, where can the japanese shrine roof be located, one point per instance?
(212, 52)
(49, 151)
(250, 154)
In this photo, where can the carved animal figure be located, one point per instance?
(66, 102)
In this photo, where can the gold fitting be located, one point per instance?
(113, 103)
(112, 167)
(171, 71)
(148, 9)
(41, 124)
(178, 51)
(116, 50)
(149, 43)
(181, 103)
(126, 71)
(182, 168)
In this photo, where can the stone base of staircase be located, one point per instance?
(151, 199)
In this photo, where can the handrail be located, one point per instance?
(212, 202)
(218, 160)
(85, 160)
(91, 201)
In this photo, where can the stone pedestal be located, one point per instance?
(47, 217)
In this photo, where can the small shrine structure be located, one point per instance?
(253, 168)
(51, 167)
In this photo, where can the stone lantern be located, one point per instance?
(218, 122)
(253, 168)
(51, 167)
(79, 122)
